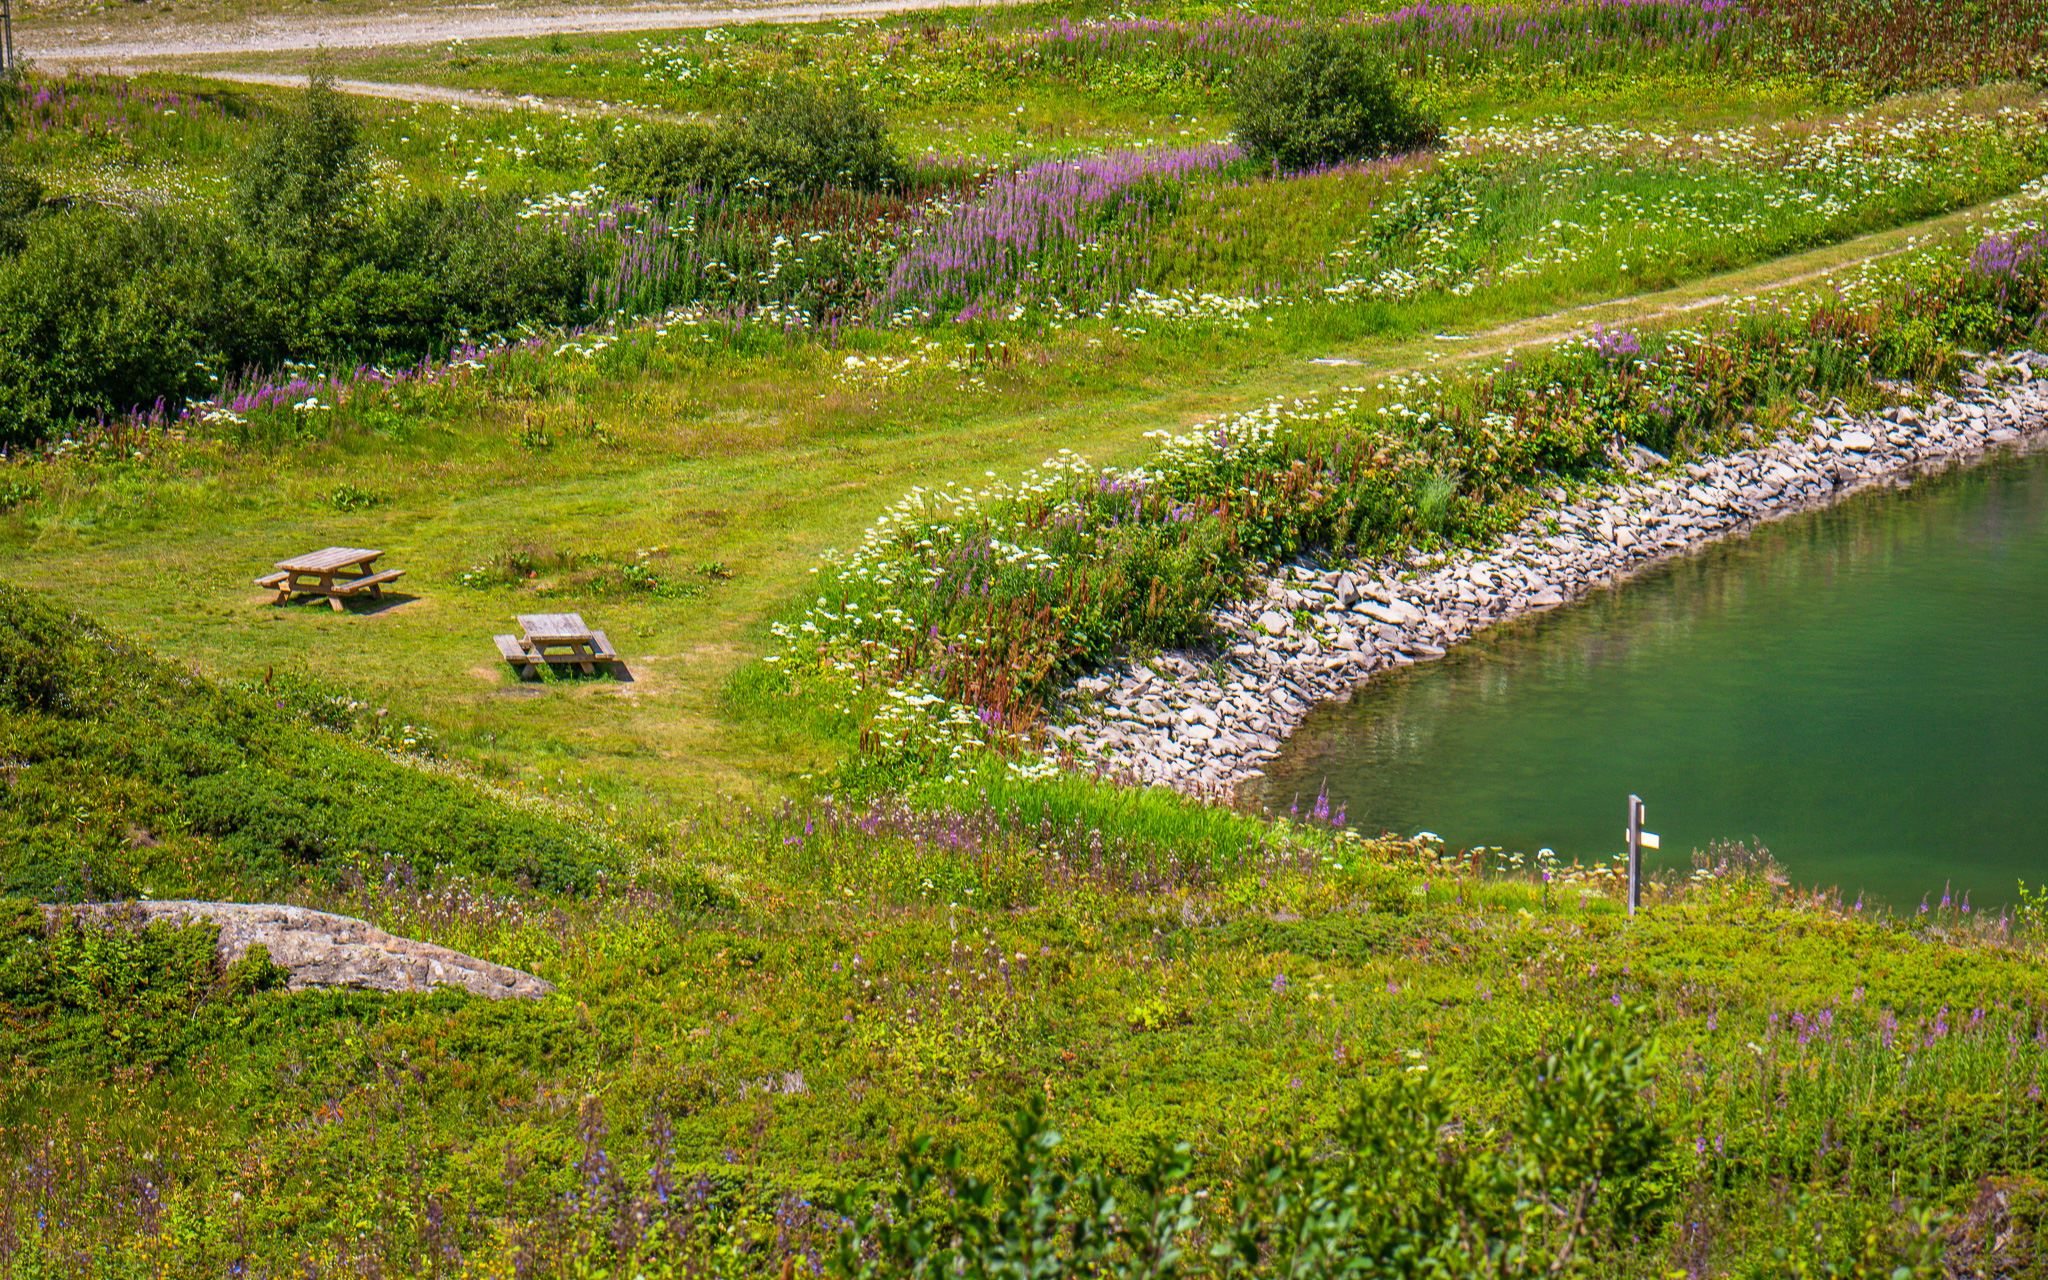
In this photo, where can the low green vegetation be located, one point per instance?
(195, 789)
(1050, 1020)
(851, 980)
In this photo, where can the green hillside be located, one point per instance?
(123, 775)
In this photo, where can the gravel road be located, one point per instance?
(84, 45)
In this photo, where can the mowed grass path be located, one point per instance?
(669, 734)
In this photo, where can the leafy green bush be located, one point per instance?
(1396, 1190)
(1326, 99)
(20, 196)
(654, 162)
(304, 182)
(834, 137)
(99, 313)
(426, 270)
(13, 86)
(795, 142)
(104, 312)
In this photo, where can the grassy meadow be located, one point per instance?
(858, 477)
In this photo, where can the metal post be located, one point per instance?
(1635, 853)
(6, 35)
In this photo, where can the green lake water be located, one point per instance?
(1863, 690)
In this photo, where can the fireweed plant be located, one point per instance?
(954, 624)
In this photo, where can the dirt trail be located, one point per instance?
(86, 45)
(399, 92)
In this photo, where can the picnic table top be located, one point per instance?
(553, 626)
(328, 560)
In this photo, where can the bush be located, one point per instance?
(99, 313)
(102, 312)
(835, 139)
(654, 163)
(20, 196)
(432, 268)
(110, 993)
(797, 142)
(305, 183)
(13, 88)
(1324, 100)
(1394, 1191)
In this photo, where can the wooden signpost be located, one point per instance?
(1638, 840)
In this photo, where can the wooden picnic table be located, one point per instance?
(334, 572)
(552, 638)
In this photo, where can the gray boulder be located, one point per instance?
(323, 951)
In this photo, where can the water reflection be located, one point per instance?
(1862, 689)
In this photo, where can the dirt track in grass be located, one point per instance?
(48, 36)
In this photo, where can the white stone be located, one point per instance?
(1395, 613)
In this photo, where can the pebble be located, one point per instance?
(1204, 722)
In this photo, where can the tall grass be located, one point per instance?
(996, 842)
(1580, 36)
(1888, 46)
(117, 119)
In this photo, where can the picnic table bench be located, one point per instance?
(334, 572)
(554, 638)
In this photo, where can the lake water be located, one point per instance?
(1863, 690)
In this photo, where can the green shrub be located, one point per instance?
(102, 313)
(305, 185)
(835, 139)
(793, 143)
(101, 994)
(1323, 100)
(99, 313)
(654, 163)
(1397, 1190)
(20, 196)
(430, 269)
(13, 87)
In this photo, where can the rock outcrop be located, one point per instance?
(1204, 722)
(324, 951)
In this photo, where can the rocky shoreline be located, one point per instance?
(1204, 722)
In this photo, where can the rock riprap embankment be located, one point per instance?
(321, 950)
(1205, 722)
